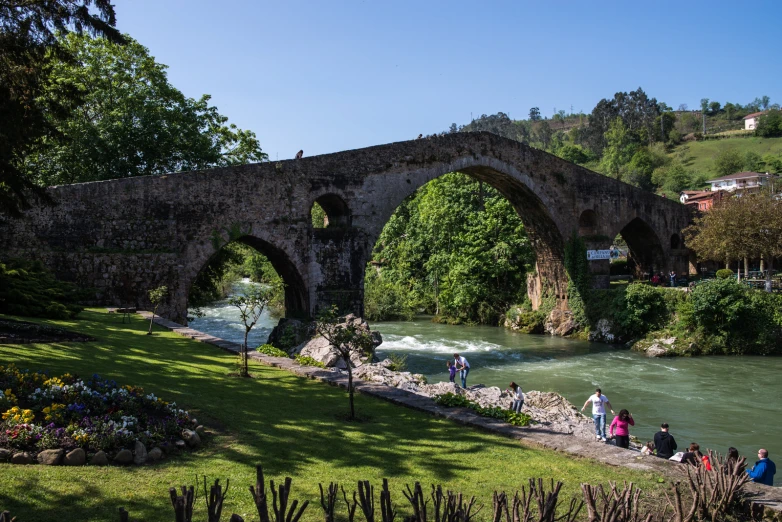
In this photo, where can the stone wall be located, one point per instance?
(124, 237)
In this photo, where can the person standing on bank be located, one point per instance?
(620, 427)
(599, 403)
(518, 397)
(463, 367)
(764, 469)
(664, 442)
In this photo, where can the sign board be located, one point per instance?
(595, 255)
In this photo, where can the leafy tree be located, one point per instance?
(704, 105)
(573, 153)
(770, 124)
(637, 112)
(619, 149)
(543, 133)
(132, 122)
(773, 163)
(28, 44)
(728, 161)
(251, 304)
(753, 162)
(714, 107)
(156, 297)
(534, 114)
(349, 338)
(765, 101)
(749, 226)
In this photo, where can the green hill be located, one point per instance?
(699, 155)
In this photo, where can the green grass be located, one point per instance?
(289, 424)
(701, 154)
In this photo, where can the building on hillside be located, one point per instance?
(751, 120)
(684, 195)
(742, 181)
(703, 200)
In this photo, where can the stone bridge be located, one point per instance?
(126, 236)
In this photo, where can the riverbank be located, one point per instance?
(292, 425)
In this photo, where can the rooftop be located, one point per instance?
(741, 175)
(754, 115)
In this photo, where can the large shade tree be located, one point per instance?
(28, 43)
(131, 121)
(738, 227)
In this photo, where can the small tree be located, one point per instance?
(348, 338)
(251, 304)
(156, 296)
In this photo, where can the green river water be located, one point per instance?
(715, 401)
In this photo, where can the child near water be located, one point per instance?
(451, 371)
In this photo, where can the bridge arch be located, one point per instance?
(296, 296)
(335, 209)
(646, 252)
(587, 223)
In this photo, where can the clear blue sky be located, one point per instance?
(332, 75)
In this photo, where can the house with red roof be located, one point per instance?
(751, 120)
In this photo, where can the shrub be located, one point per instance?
(398, 362)
(725, 273)
(268, 349)
(732, 318)
(306, 360)
(28, 289)
(452, 400)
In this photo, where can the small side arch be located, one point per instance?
(676, 242)
(587, 223)
(336, 211)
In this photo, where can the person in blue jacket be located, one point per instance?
(763, 471)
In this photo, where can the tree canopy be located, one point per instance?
(28, 42)
(131, 121)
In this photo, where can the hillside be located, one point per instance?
(699, 155)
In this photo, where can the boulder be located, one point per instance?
(200, 430)
(155, 454)
(319, 348)
(179, 446)
(560, 323)
(99, 459)
(5, 455)
(191, 438)
(124, 457)
(75, 457)
(290, 333)
(139, 453)
(51, 457)
(21, 458)
(602, 332)
(379, 373)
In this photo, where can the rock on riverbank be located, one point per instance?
(665, 347)
(549, 410)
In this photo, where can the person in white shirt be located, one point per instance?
(599, 403)
(518, 397)
(463, 367)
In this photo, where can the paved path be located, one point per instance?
(531, 435)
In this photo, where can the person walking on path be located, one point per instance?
(620, 427)
(451, 371)
(518, 397)
(664, 442)
(463, 367)
(764, 469)
(599, 403)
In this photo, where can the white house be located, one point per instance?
(751, 120)
(741, 181)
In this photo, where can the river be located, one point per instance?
(715, 401)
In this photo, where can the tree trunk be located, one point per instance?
(151, 319)
(768, 274)
(245, 372)
(746, 268)
(761, 262)
(350, 389)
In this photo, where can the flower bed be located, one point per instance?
(40, 412)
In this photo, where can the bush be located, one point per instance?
(619, 267)
(28, 289)
(646, 309)
(268, 349)
(398, 362)
(731, 318)
(306, 360)
(452, 400)
(724, 273)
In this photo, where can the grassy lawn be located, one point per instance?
(289, 424)
(702, 153)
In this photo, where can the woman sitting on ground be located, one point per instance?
(695, 457)
(729, 467)
(620, 427)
